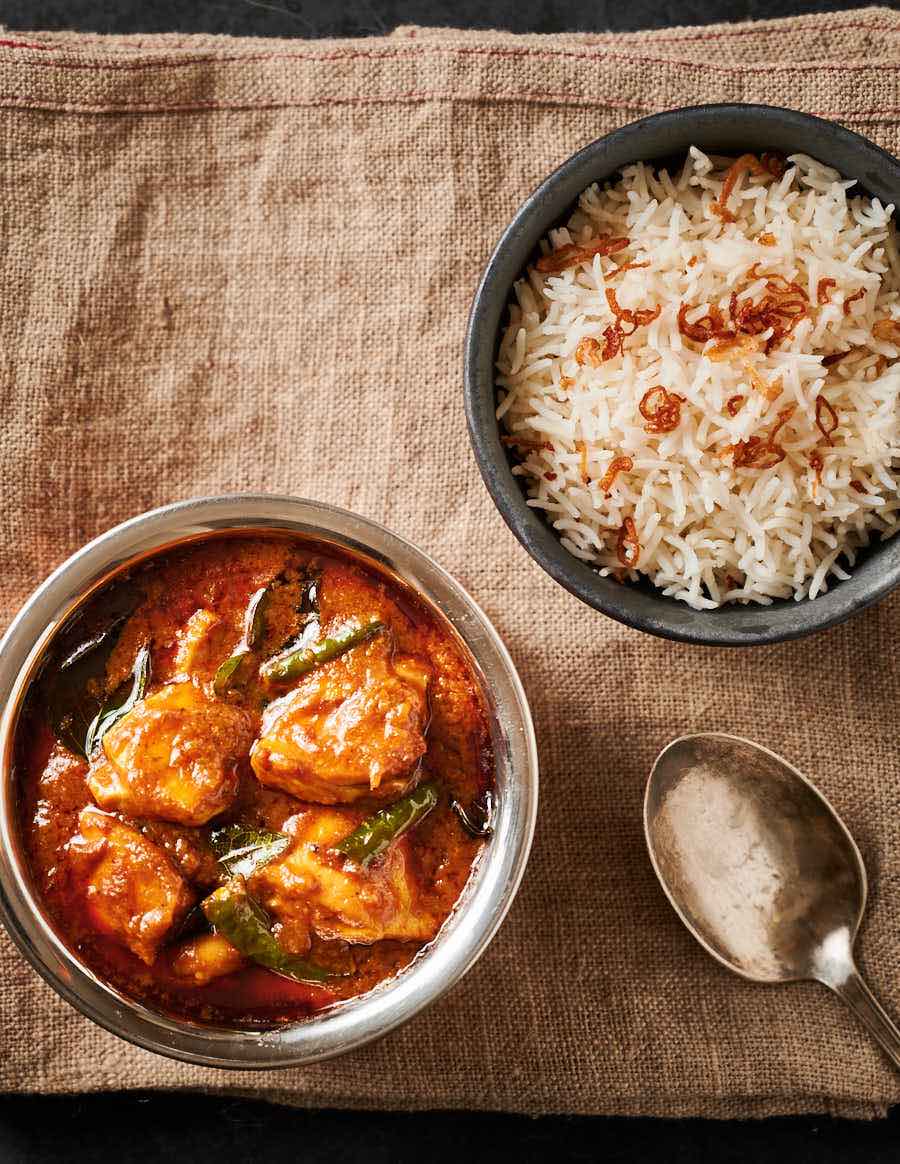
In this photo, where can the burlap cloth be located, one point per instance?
(233, 264)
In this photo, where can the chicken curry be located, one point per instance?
(254, 775)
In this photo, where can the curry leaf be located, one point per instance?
(118, 705)
(478, 819)
(236, 669)
(255, 618)
(99, 644)
(228, 673)
(309, 595)
(242, 849)
(74, 690)
(237, 917)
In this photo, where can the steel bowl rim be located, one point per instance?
(491, 888)
(658, 614)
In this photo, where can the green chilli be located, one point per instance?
(233, 913)
(294, 663)
(242, 849)
(370, 839)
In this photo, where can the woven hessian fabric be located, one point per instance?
(246, 265)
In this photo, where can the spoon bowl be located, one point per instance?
(760, 868)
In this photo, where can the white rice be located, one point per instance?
(711, 533)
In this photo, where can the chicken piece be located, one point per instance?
(313, 889)
(130, 891)
(206, 957)
(188, 850)
(351, 728)
(173, 757)
(194, 642)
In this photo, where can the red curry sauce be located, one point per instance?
(126, 842)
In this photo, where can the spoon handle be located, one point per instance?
(870, 1012)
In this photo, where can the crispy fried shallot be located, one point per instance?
(879, 366)
(709, 326)
(776, 283)
(826, 418)
(616, 466)
(816, 464)
(572, 254)
(661, 409)
(625, 267)
(627, 315)
(727, 349)
(784, 415)
(582, 448)
(745, 164)
(767, 240)
(835, 357)
(762, 452)
(858, 486)
(756, 453)
(734, 404)
(822, 290)
(887, 330)
(780, 309)
(588, 352)
(851, 299)
(771, 391)
(628, 548)
(614, 341)
(739, 347)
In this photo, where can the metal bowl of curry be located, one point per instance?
(270, 781)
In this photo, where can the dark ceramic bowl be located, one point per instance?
(724, 129)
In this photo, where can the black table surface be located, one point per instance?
(153, 1126)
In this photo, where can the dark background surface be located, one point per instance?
(153, 1126)
(119, 1129)
(309, 18)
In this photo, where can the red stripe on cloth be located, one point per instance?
(13, 101)
(23, 44)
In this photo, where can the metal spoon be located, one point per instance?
(760, 868)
